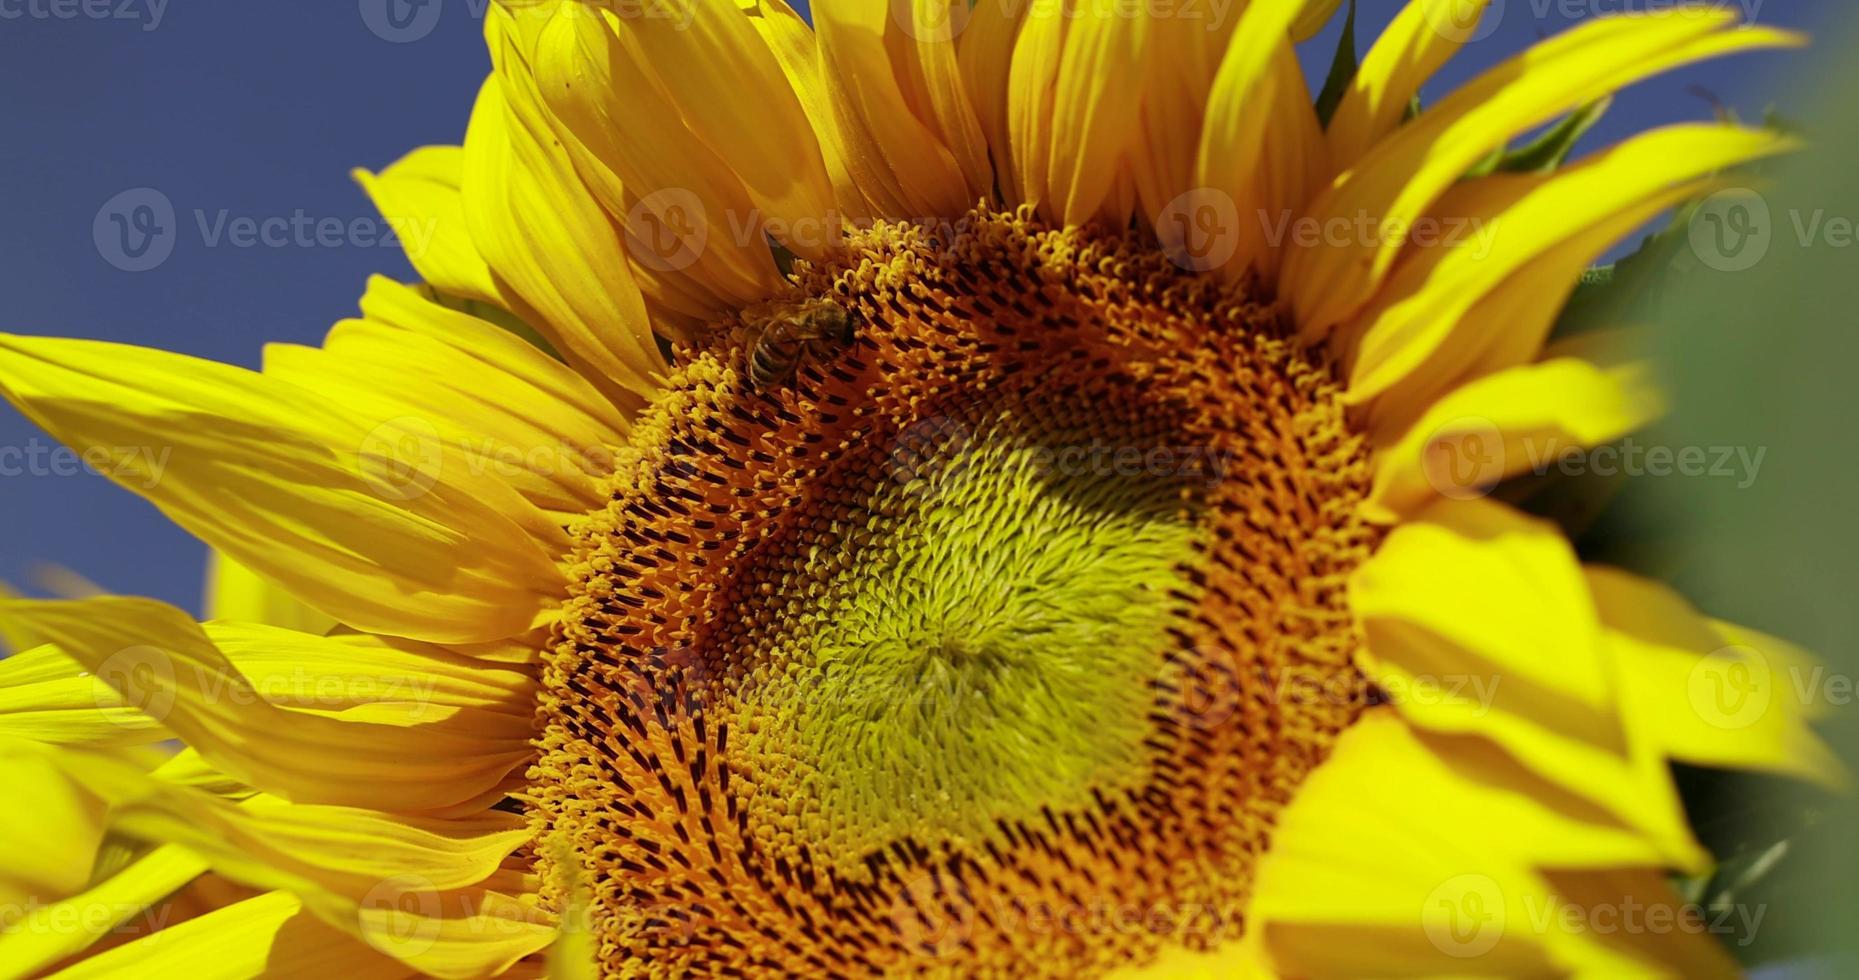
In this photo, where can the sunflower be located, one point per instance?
(991, 491)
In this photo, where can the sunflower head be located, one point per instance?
(922, 493)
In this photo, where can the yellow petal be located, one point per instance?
(406, 887)
(335, 673)
(923, 40)
(692, 229)
(54, 931)
(1448, 876)
(1420, 39)
(1095, 104)
(51, 829)
(1401, 178)
(984, 51)
(706, 67)
(45, 696)
(236, 592)
(1185, 56)
(280, 480)
(420, 194)
(1483, 617)
(1705, 701)
(904, 168)
(371, 746)
(791, 40)
(547, 238)
(1032, 83)
(515, 417)
(1315, 17)
(1258, 90)
(1493, 228)
(270, 935)
(1527, 418)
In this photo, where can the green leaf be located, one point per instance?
(1342, 70)
(1548, 151)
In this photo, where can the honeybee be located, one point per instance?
(787, 332)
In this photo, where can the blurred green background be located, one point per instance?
(1751, 302)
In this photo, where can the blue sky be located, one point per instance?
(257, 111)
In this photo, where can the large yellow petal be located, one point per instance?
(55, 930)
(706, 65)
(1478, 620)
(51, 829)
(1258, 180)
(1096, 101)
(791, 40)
(420, 193)
(1503, 424)
(924, 42)
(514, 416)
(45, 696)
(1185, 56)
(692, 228)
(234, 591)
(1448, 875)
(1494, 228)
(409, 888)
(378, 736)
(1705, 700)
(270, 935)
(903, 166)
(280, 479)
(1401, 178)
(547, 240)
(1420, 39)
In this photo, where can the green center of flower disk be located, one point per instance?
(1009, 604)
(987, 648)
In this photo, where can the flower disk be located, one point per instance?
(995, 638)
